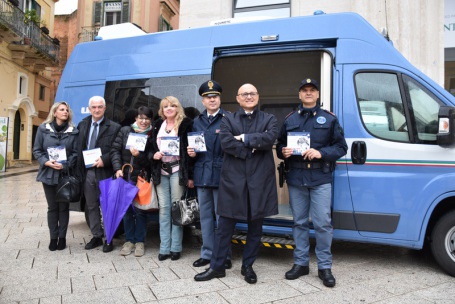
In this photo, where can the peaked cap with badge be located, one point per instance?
(309, 81)
(210, 88)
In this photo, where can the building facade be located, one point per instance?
(27, 52)
(414, 26)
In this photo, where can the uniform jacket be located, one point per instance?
(121, 156)
(47, 137)
(248, 171)
(207, 165)
(185, 172)
(106, 134)
(326, 136)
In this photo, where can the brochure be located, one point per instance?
(137, 141)
(299, 142)
(90, 156)
(196, 141)
(170, 145)
(57, 153)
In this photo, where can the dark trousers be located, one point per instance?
(58, 214)
(223, 238)
(92, 203)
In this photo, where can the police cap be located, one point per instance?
(210, 88)
(310, 81)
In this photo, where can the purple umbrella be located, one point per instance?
(116, 196)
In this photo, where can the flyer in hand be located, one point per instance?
(196, 141)
(57, 153)
(170, 145)
(299, 142)
(137, 141)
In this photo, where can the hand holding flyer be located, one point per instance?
(196, 141)
(170, 145)
(299, 142)
(137, 141)
(57, 153)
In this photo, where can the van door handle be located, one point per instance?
(359, 152)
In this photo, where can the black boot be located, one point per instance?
(53, 245)
(61, 244)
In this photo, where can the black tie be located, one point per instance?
(93, 138)
(210, 118)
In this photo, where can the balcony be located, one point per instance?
(30, 47)
(88, 33)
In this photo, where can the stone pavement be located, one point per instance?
(30, 273)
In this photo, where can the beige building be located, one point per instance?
(27, 51)
(414, 26)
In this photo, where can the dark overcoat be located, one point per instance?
(106, 135)
(248, 170)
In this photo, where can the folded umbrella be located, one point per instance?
(116, 196)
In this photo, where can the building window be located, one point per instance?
(164, 25)
(42, 92)
(22, 85)
(263, 8)
(112, 13)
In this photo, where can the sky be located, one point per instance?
(65, 7)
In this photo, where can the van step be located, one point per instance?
(266, 241)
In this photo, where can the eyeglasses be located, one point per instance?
(144, 118)
(245, 95)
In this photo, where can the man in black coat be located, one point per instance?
(95, 131)
(247, 188)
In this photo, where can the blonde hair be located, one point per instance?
(50, 118)
(180, 113)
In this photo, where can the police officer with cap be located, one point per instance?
(309, 178)
(207, 166)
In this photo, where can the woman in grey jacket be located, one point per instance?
(56, 131)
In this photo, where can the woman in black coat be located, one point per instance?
(134, 221)
(170, 173)
(56, 131)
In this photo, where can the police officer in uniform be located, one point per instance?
(309, 179)
(207, 166)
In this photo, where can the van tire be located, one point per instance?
(443, 242)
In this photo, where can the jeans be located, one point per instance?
(135, 223)
(169, 191)
(58, 214)
(314, 202)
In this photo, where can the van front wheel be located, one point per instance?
(443, 242)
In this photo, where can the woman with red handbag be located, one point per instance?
(131, 146)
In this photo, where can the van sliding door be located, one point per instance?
(276, 75)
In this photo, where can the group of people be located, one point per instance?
(234, 176)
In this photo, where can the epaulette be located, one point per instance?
(290, 114)
(330, 113)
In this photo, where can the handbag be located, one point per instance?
(146, 198)
(68, 189)
(186, 210)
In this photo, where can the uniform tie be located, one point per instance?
(93, 137)
(210, 118)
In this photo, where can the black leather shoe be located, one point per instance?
(201, 262)
(209, 274)
(61, 244)
(228, 264)
(53, 245)
(94, 242)
(175, 256)
(108, 247)
(163, 257)
(250, 275)
(296, 272)
(327, 277)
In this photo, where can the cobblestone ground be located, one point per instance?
(30, 273)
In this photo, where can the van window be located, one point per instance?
(381, 105)
(425, 107)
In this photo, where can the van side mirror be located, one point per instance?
(446, 131)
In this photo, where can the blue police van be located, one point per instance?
(396, 184)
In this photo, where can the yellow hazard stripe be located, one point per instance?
(265, 244)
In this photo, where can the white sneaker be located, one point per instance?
(127, 248)
(139, 249)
